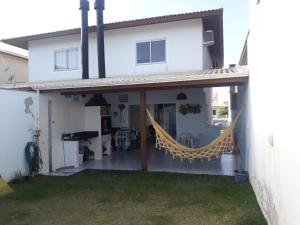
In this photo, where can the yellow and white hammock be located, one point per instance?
(221, 144)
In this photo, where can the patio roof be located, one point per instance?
(204, 78)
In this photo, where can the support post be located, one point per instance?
(143, 130)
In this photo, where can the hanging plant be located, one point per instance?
(190, 108)
(121, 107)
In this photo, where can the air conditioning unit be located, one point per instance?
(208, 38)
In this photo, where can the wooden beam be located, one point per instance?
(143, 130)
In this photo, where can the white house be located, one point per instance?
(267, 134)
(167, 64)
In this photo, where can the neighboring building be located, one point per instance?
(168, 64)
(220, 107)
(13, 67)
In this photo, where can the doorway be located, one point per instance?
(165, 115)
(134, 117)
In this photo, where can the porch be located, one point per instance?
(65, 107)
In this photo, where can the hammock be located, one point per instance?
(221, 144)
(5, 189)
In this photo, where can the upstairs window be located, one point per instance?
(151, 52)
(66, 59)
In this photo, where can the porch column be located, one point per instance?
(143, 130)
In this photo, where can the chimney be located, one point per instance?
(99, 7)
(84, 7)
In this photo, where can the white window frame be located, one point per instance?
(150, 40)
(66, 50)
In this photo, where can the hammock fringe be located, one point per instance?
(221, 144)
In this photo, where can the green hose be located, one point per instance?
(33, 157)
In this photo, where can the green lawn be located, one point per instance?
(131, 198)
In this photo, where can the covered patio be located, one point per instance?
(142, 89)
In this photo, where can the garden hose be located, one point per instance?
(33, 157)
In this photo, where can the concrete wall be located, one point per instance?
(16, 130)
(184, 51)
(18, 68)
(272, 99)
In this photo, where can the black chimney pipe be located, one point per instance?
(84, 7)
(99, 6)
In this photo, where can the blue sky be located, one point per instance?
(39, 16)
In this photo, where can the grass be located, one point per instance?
(131, 198)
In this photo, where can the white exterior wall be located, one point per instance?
(184, 51)
(62, 122)
(16, 130)
(68, 116)
(271, 96)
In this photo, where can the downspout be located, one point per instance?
(38, 110)
(37, 118)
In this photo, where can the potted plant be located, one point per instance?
(240, 176)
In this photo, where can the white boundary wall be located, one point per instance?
(272, 102)
(16, 129)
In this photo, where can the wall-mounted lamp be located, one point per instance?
(181, 96)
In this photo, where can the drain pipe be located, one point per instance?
(38, 109)
(37, 118)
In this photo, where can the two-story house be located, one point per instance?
(166, 64)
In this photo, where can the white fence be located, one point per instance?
(17, 121)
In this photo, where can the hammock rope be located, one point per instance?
(224, 142)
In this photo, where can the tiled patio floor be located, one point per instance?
(159, 161)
